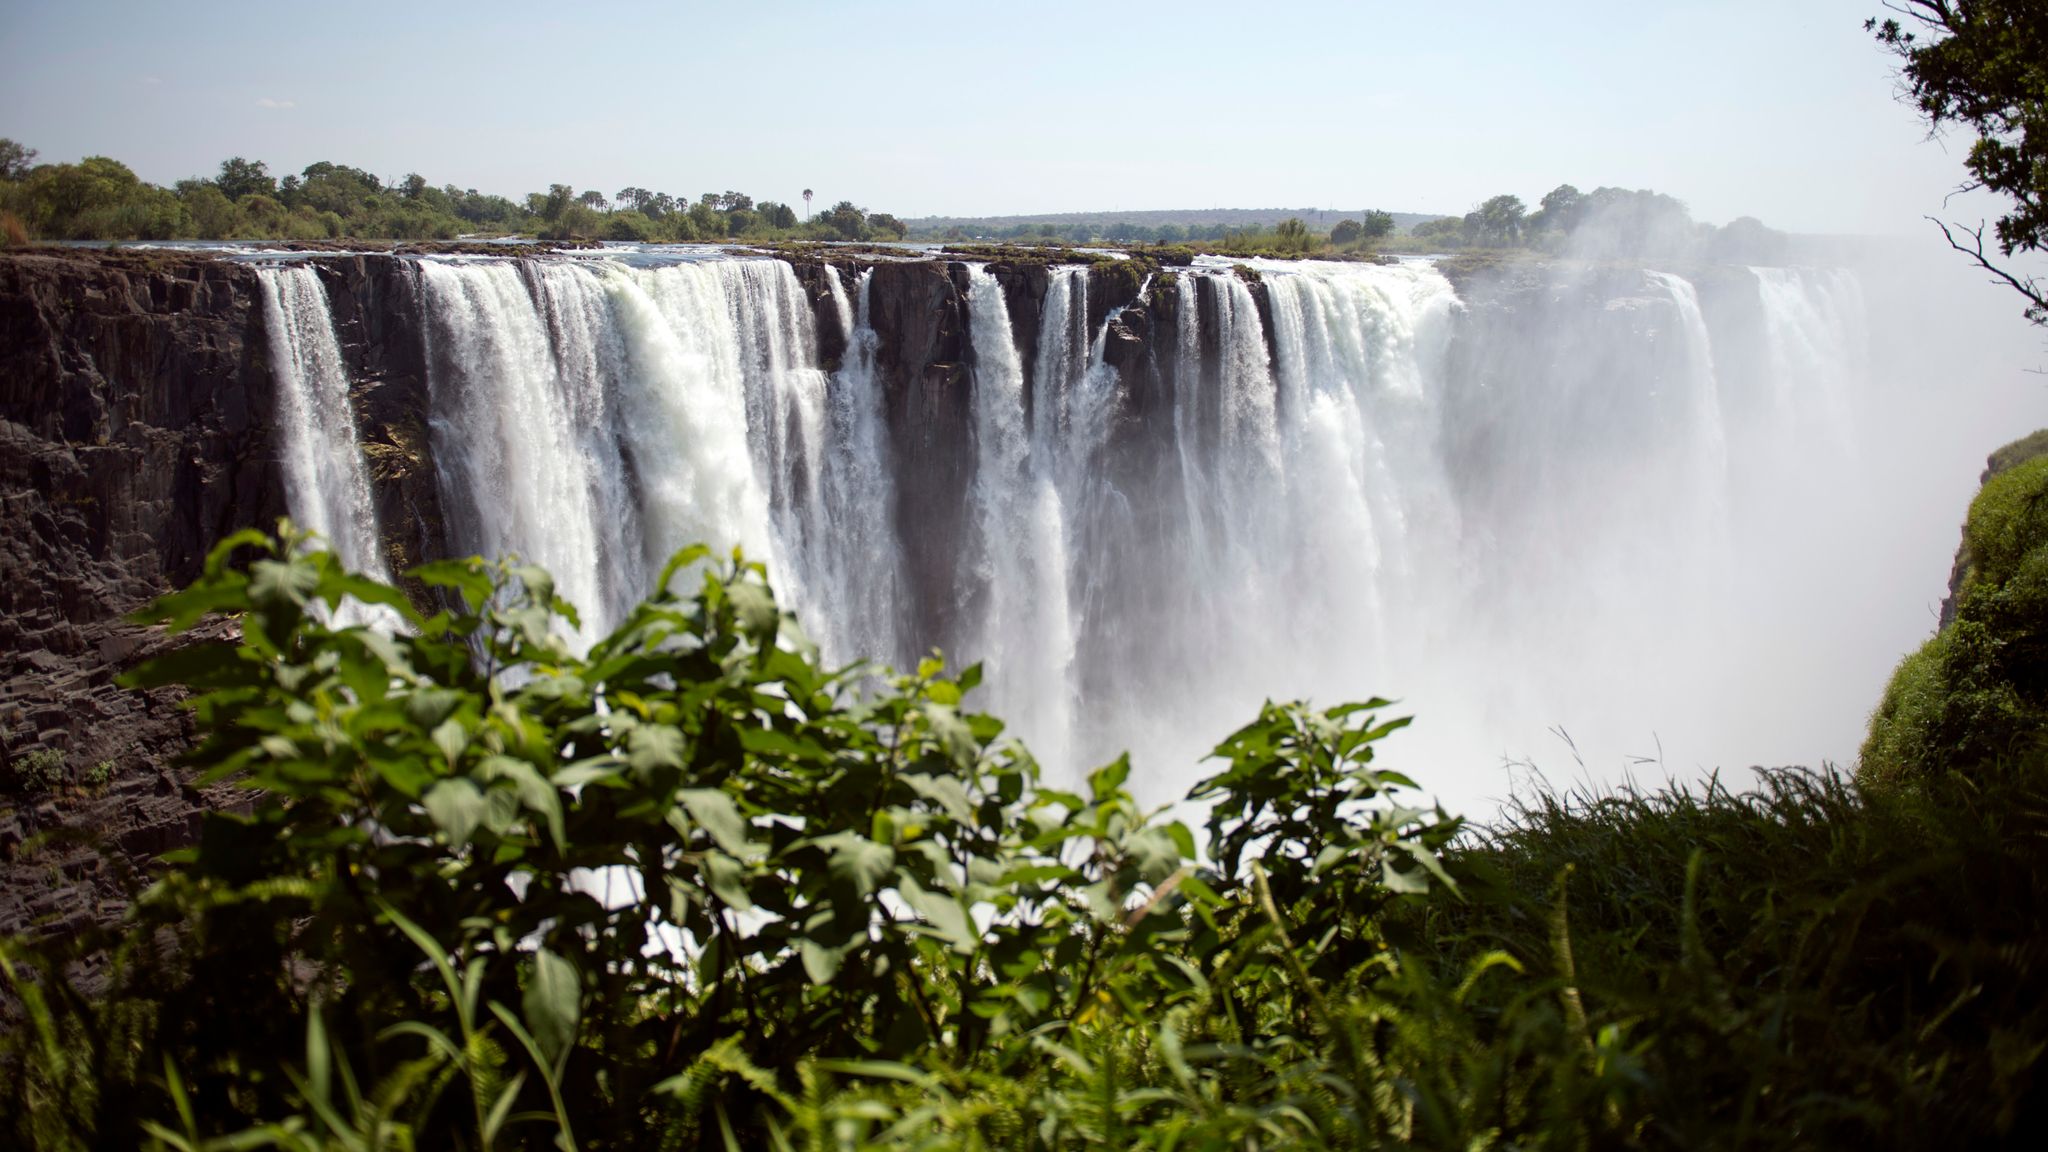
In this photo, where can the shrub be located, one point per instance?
(693, 843)
(38, 770)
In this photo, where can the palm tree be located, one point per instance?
(807, 204)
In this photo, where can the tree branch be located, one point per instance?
(2037, 300)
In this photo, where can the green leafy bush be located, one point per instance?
(692, 889)
(693, 839)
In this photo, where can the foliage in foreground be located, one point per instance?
(693, 890)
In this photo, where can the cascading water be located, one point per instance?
(1814, 329)
(857, 573)
(327, 487)
(1344, 479)
(1023, 628)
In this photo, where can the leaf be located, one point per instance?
(858, 861)
(532, 788)
(1104, 782)
(953, 733)
(720, 816)
(726, 877)
(1411, 883)
(945, 791)
(755, 606)
(943, 912)
(1154, 853)
(552, 1004)
(539, 584)
(181, 610)
(428, 707)
(586, 772)
(769, 743)
(336, 585)
(821, 963)
(457, 807)
(676, 563)
(652, 746)
(198, 666)
(406, 772)
(275, 584)
(451, 738)
(465, 576)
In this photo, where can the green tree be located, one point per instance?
(15, 160)
(883, 223)
(1559, 210)
(1983, 64)
(1497, 223)
(1346, 232)
(846, 221)
(1442, 230)
(211, 214)
(1377, 225)
(1294, 235)
(239, 178)
(556, 202)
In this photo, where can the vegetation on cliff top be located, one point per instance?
(1977, 692)
(102, 199)
(694, 890)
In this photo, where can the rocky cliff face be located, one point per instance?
(134, 425)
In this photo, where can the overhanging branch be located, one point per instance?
(2029, 287)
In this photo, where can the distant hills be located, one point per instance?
(1318, 219)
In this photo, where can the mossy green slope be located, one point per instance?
(1978, 690)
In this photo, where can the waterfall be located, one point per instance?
(327, 486)
(1024, 633)
(514, 479)
(858, 572)
(594, 418)
(1813, 326)
(1327, 481)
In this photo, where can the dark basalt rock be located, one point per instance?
(374, 301)
(131, 441)
(919, 314)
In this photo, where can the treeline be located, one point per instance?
(99, 198)
(1369, 225)
(1606, 223)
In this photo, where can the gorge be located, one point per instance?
(1614, 501)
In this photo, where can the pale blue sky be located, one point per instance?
(1742, 107)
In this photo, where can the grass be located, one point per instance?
(1805, 963)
